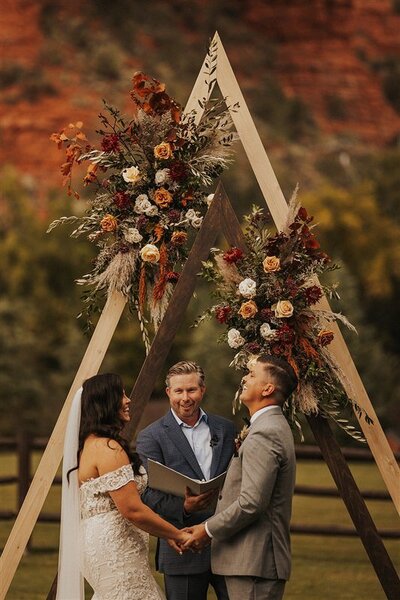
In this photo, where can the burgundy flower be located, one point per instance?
(266, 314)
(278, 349)
(177, 171)
(309, 240)
(313, 294)
(325, 337)
(291, 286)
(172, 276)
(122, 200)
(142, 222)
(174, 215)
(232, 255)
(285, 334)
(302, 215)
(252, 347)
(222, 313)
(273, 245)
(110, 143)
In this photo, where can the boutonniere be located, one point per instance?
(242, 435)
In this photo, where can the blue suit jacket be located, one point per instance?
(165, 442)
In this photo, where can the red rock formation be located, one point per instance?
(324, 53)
(325, 49)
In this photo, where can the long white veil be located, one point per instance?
(70, 585)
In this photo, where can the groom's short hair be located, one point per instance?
(282, 373)
(185, 367)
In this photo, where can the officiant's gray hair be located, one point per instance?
(185, 367)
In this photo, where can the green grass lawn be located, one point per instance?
(324, 568)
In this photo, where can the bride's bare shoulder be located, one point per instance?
(102, 444)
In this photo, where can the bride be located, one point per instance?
(104, 524)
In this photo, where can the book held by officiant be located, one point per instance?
(171, 482)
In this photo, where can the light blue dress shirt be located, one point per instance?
(199, 438)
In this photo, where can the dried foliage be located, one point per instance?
(267, 299)
(149, 175)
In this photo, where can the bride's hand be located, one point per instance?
(181, 539)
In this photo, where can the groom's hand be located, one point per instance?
(198, 540)
(195, 503)
(178, 543)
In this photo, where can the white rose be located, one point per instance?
(196, 222)
(161, 176)
(266, 332)
(133, 236)
(152, 211)
(209, 199)
(235, 340)
(190, 214)
(150, 253)
(131, 174)
(142, 204)
(247, 288)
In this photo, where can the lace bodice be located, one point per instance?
(94, 493)
(116, 562)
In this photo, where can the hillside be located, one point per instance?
(327, 66)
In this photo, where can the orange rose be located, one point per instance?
(178, 238)
(162, 198)
(248, 309)
(163, 151)
(325, 337)
(108, 223)
(271, 264)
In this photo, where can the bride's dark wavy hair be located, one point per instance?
(100, 413)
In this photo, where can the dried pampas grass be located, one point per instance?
(305, 400)
(159, 307)
(118, 274)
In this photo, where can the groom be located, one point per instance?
(199, 445)
(250, 529)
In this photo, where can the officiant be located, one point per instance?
(199, 445)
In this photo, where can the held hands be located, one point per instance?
(198, 503)
(198, 539)
(178, 543)
(193, 538)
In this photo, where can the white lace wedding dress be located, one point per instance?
(116, 561)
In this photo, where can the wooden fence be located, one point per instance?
(23, 446)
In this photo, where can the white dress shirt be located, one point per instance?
(261, 411)
(199, 438)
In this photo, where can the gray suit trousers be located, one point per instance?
(254, 588)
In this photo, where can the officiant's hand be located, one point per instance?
(195, 503)
(199, 538)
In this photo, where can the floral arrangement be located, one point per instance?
(267, 299)
(150, 173)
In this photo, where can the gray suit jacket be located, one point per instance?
(250, 528)
(165, 442)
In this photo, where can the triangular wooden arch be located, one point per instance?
(113, 309)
